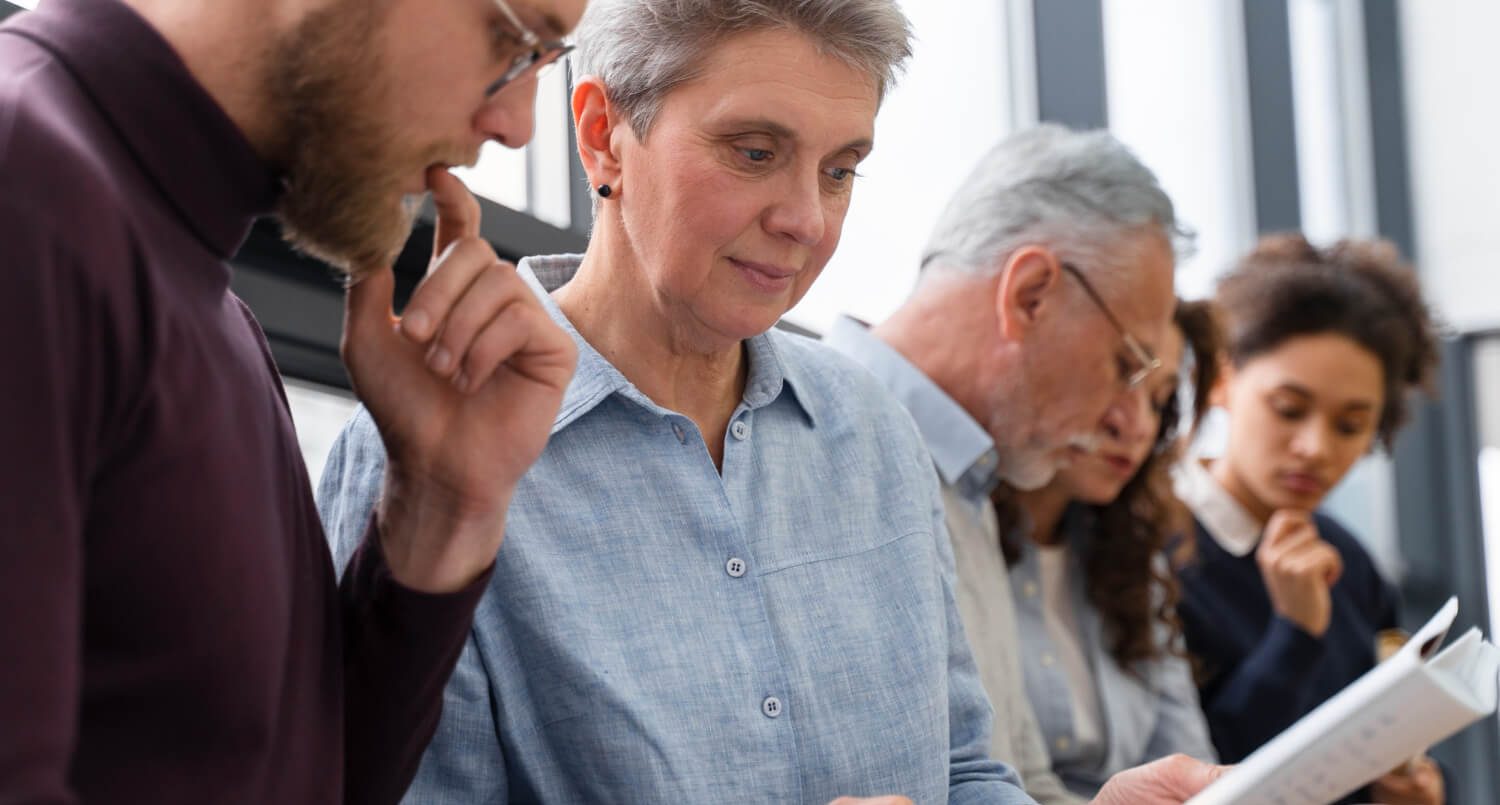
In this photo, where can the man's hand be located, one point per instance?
(891, 800)
(1421, 785)
(464, 389)
(1299, 569)
(1169, 781)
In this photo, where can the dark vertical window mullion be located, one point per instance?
(580, 196)
(1273, 126)
(1070, 63)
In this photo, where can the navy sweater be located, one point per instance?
(1259, 672)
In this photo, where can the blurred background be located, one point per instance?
(1335, 117)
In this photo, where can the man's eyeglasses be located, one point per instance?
(537, 52)
(1146, 362)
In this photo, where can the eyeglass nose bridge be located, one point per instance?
(1149, 364)
(544, 55)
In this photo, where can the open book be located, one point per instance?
(1402, 706)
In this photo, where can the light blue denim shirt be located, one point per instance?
(965, 459)
(1147, 713)
(658, 632)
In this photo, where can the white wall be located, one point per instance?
(953, 104)
(1453, 122)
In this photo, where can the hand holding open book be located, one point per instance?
(1402, 706)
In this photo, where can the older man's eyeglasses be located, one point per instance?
(536, 54)
(1145, 362)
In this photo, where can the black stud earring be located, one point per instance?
(605, 191)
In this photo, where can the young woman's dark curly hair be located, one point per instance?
(1360, 289)
(1130, 587)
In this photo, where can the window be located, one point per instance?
(1178, 97)
(535, 179)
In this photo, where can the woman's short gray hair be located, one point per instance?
(643, 49)
(1078, 193)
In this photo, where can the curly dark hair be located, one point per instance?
(1127, 583)
(1361, 289)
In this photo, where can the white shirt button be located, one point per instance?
(771, 707)
(681, 434)
(1047, 660)
(735, 567)
(1063, 743)
(739, 430)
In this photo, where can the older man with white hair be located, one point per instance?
(1046, 285)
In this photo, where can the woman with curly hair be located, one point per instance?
(1281, 604)
(1094, 597)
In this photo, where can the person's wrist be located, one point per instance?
(435, 541)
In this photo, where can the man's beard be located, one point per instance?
(343, 161)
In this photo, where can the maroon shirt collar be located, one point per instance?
(183, 140)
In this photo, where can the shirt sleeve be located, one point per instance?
(973, 776)
(466, 761)
(57, 370)
(400, 646)
(987, 611)
(1180, 725)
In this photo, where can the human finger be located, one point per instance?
(1286, 524)
(458, 212)
(367, 311)
(492, 291)
(503, 337)
(427, 310)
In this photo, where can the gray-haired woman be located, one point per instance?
(727, 578)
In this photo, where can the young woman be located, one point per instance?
(1281, 605)
(1094, 599)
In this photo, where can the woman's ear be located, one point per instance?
(1022, 294)
(595, 122)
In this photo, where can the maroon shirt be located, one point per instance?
(171, 629)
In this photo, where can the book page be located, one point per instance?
(1397, 710)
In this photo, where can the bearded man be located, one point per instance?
(171, 629)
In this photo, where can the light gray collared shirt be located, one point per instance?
(1145, 713)
(965, 459)
(660, 631)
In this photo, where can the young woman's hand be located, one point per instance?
(1420, 785)
(1299, 569)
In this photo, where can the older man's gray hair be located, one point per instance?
(1077, 193)
(642, 49)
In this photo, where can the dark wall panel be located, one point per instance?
(1273, 130)
(1070, 63)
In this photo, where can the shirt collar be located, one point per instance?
(961, 449)
(182, 140)
(595, 378)
(1226, 521)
